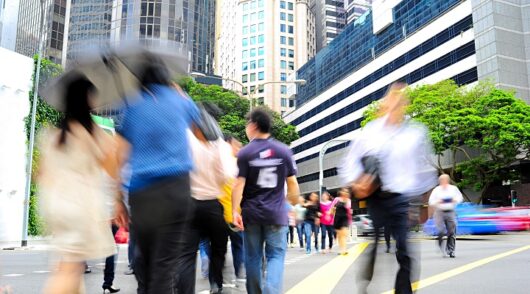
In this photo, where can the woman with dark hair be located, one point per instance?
(156, 129)
(78, 173)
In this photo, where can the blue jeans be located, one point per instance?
(273, 237)
(329, 230)
(310, 227)
(300, 232)
(204, 252)
(238, 252)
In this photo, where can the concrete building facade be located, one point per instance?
(8, 23)
(227, 36)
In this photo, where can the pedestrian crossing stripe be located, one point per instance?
(459, 270)
(333, 271)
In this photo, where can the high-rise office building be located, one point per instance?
(29, 28)
(277, 37)
(89, 26)
(186, 27)
(355, 8)
(227, 36)
(8, 23)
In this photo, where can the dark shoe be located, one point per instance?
(129, 272)
(216, 291)
(87, 270)
(110, 289)
(452, 255)
(388, 250)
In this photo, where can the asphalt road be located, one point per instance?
(484, 264)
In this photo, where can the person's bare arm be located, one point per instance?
(237, 196)
(293, 190)
(121, 217)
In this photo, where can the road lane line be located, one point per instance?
(459, 270)
(333, 271)
(13, 275)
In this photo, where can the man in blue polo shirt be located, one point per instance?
(265, 166)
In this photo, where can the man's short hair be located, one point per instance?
(228, 137)
(262, 119)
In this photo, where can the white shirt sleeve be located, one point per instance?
(458, 195)
(351, 167)
(433, 199)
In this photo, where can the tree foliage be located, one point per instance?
(489, 127)
(44, 116)
(234, 108)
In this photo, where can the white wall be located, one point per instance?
(15, 83)
(9, 22)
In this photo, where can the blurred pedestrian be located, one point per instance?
(341, 207)
(78, 164)
(312, 222)
(444, 199)
(213, 168)
(387, 237)
(156, 127)
(326, 222)
(109, 270)
(300, 212)
(204, 255)
(236, 235)
(265, 165)
(388, 162)
(292, 225)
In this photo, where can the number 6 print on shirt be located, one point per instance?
(267, 177)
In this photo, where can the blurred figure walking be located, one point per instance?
(444, 199)
(160, 199)
(326, 222)
(265, 166)
(78, 165)
(341, 207)
(388, 162)
(110, 269)
(300, 212)
(312, 222)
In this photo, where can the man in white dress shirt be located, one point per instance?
(401, 151)
(444, 199)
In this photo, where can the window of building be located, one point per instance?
(283, 16)
(245, 7)
(284, 102)
(290, 17)
(261, 101)
(245, 54)
(261, 89)
(283, 89)
(291, 30)
(253, 77)
(261, 3)
(283, 52)
(261, 51)
(253, 29)
(245, 30)
(283, 4)
(261, 63)
(244, 91)
(245, 66)
(245, 42)
(245, 18)
(261, 76)
(291, 41)
(291, 65)
(283, 28)
(283, 40)
(261, 15)
(283, 64)
(252, 41)
(244, 78)
(253, 64)
(252, 88)
(252, 4)
(283, 77)
(261, 27)
(290, 5)
(261, 39)
(253, 17)
(291, 53)
(253, 52)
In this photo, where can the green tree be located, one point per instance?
(234, 108)
(489, 127)
(44, 116)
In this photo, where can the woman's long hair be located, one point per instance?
(77, 107)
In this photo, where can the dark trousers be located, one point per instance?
(161, 219)
(238, 253)
(210, 223)
(110, 265)
(329, 230)
(290, 235)
(131, 248)
(387, 236)
(300, 232)
(446, 223)
(394, 214)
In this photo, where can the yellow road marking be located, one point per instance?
(333, 271)
(451, 273)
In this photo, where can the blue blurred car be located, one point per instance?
(471, 220)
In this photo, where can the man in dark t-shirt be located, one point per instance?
(266, 166)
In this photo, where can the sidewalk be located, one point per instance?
(34, 243)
